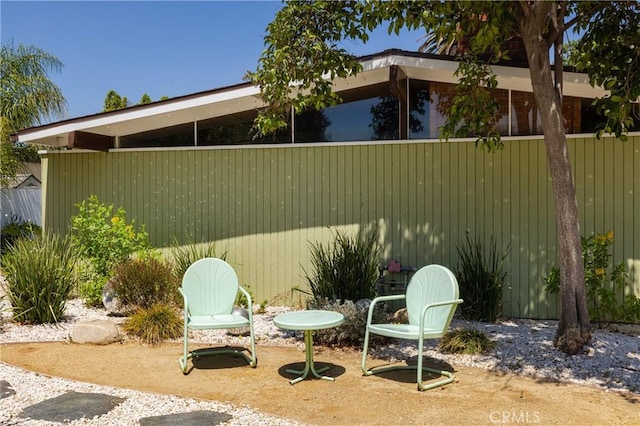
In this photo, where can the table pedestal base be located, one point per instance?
(309, 366)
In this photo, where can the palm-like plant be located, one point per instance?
(27, 97)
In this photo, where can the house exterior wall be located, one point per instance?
(264, 205)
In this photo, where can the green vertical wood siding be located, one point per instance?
(265, 205)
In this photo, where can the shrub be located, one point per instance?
(346, 269)
(40, 277)
(466, 341)
(15, 230)
(351, 331)
(143, 282)
(155, 324)
(603, 283)
(184, 256)
(91, 291)
(104, 238)
(481, 279)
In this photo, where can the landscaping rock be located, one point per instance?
(97, 332)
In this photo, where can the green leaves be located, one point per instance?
(105, 238)
(472, 111)
(345, 269)
(609, 51)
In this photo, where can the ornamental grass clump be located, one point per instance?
(345, 272)
(155, 324)
(143, 282)
(481, 279)
(469, 341)
(345, 269)
(40, 276)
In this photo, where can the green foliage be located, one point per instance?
(473, 110)
(143, 282)
(608, 52)
(604, 283)
(481, 279)
(15, 230)
(40, 276)
(27, 98)
(346, 269)
(311, 33)
(155, 324)
(351, 331)
(466, 341)
(113, 101)
(104, 238)
(241, 299)
(184, 256)
(145, 99)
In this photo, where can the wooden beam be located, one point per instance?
(88, 140)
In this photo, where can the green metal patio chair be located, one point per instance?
(431, 298)
(209, 289)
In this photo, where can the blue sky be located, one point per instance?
(160, 48)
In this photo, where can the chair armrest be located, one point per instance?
(186, 304)
(382, 299)
(249, 302)
(434, 305)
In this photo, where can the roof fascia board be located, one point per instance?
(136, 114)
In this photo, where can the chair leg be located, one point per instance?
(420, 368)
(449, 378)
(185, 356)
(365, 348)
(254, 360)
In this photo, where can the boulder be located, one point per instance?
(96, 332)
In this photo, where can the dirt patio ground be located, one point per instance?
(478, 396)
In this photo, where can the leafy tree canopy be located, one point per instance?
(304, 52)
(113, 101)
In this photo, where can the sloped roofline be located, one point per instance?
(246, 96)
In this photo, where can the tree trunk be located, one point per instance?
(574, 328)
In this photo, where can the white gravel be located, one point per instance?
(611, 362)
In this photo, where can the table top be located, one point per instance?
(308, 320)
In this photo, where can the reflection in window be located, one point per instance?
(180, 135)
(579, 116)
(369, 114)
(236, 129)
(428, 103)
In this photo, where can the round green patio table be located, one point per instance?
(308, 321)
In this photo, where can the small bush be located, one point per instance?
(144, 282)
(15, 230)
(606, 284)
(346, 269)
(351, 331)
(89, 283)
(184, 256)
(466, 341)
(91, 291)
(481, 280)
(40, 277)
(155, 324)
(104, 238)
(241, 299)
